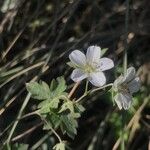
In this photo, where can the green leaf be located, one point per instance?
(54, 119)
(46, 87)
(67, 105)
(69, 125)
(76, 115)
(53, 85)
(54, 103)
(38, 91)
(59, 146)
(74, 108)
(79, 108)
(61, 87)
(47, 105)
(104, 50)
(51, 103)
(57, 94)
(50, 96)
(44, 109)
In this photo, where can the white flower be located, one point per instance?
(90, 66)
(125, 86)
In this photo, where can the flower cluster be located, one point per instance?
(91, 66)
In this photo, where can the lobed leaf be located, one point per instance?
(38, 91)
(69, 125)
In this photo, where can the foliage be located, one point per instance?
(55, 106)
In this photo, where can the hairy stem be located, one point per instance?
(92, 91)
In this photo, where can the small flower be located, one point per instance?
(90, 66)
(125, 86)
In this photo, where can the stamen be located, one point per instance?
(123, 88)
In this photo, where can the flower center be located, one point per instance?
(123, 88)
(89, 68)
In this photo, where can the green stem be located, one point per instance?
(59, 138)
(126, 37)
(110, 84)
(86, 86)
(125, 70)
(122, 131)
(92, 91)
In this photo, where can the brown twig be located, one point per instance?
(11, 44)
(73, 89)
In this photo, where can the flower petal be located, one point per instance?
(118, 101)
(98, 79)
(134, 85)
(123, 100)
(78, 75)
(130, 75)
(77, 58)
(118, 82)
(127, 100)
(106, 63)
(93, 54)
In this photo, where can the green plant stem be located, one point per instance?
(59, 138)
(18, 118)
(92, 91)
(86, 86)
(125, 71)
(122, 130)
(126, 37)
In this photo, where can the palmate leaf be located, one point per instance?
(60, 87)
(54, 121)
(47, 105)
(69, 125)
(50, 96)
(69, 121)
(55, 106)
(38, 91)
(74, 108)
(67, 105)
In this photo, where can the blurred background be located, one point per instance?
(36, 38)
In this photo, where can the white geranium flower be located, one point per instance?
(125, 86)
(90, 66)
